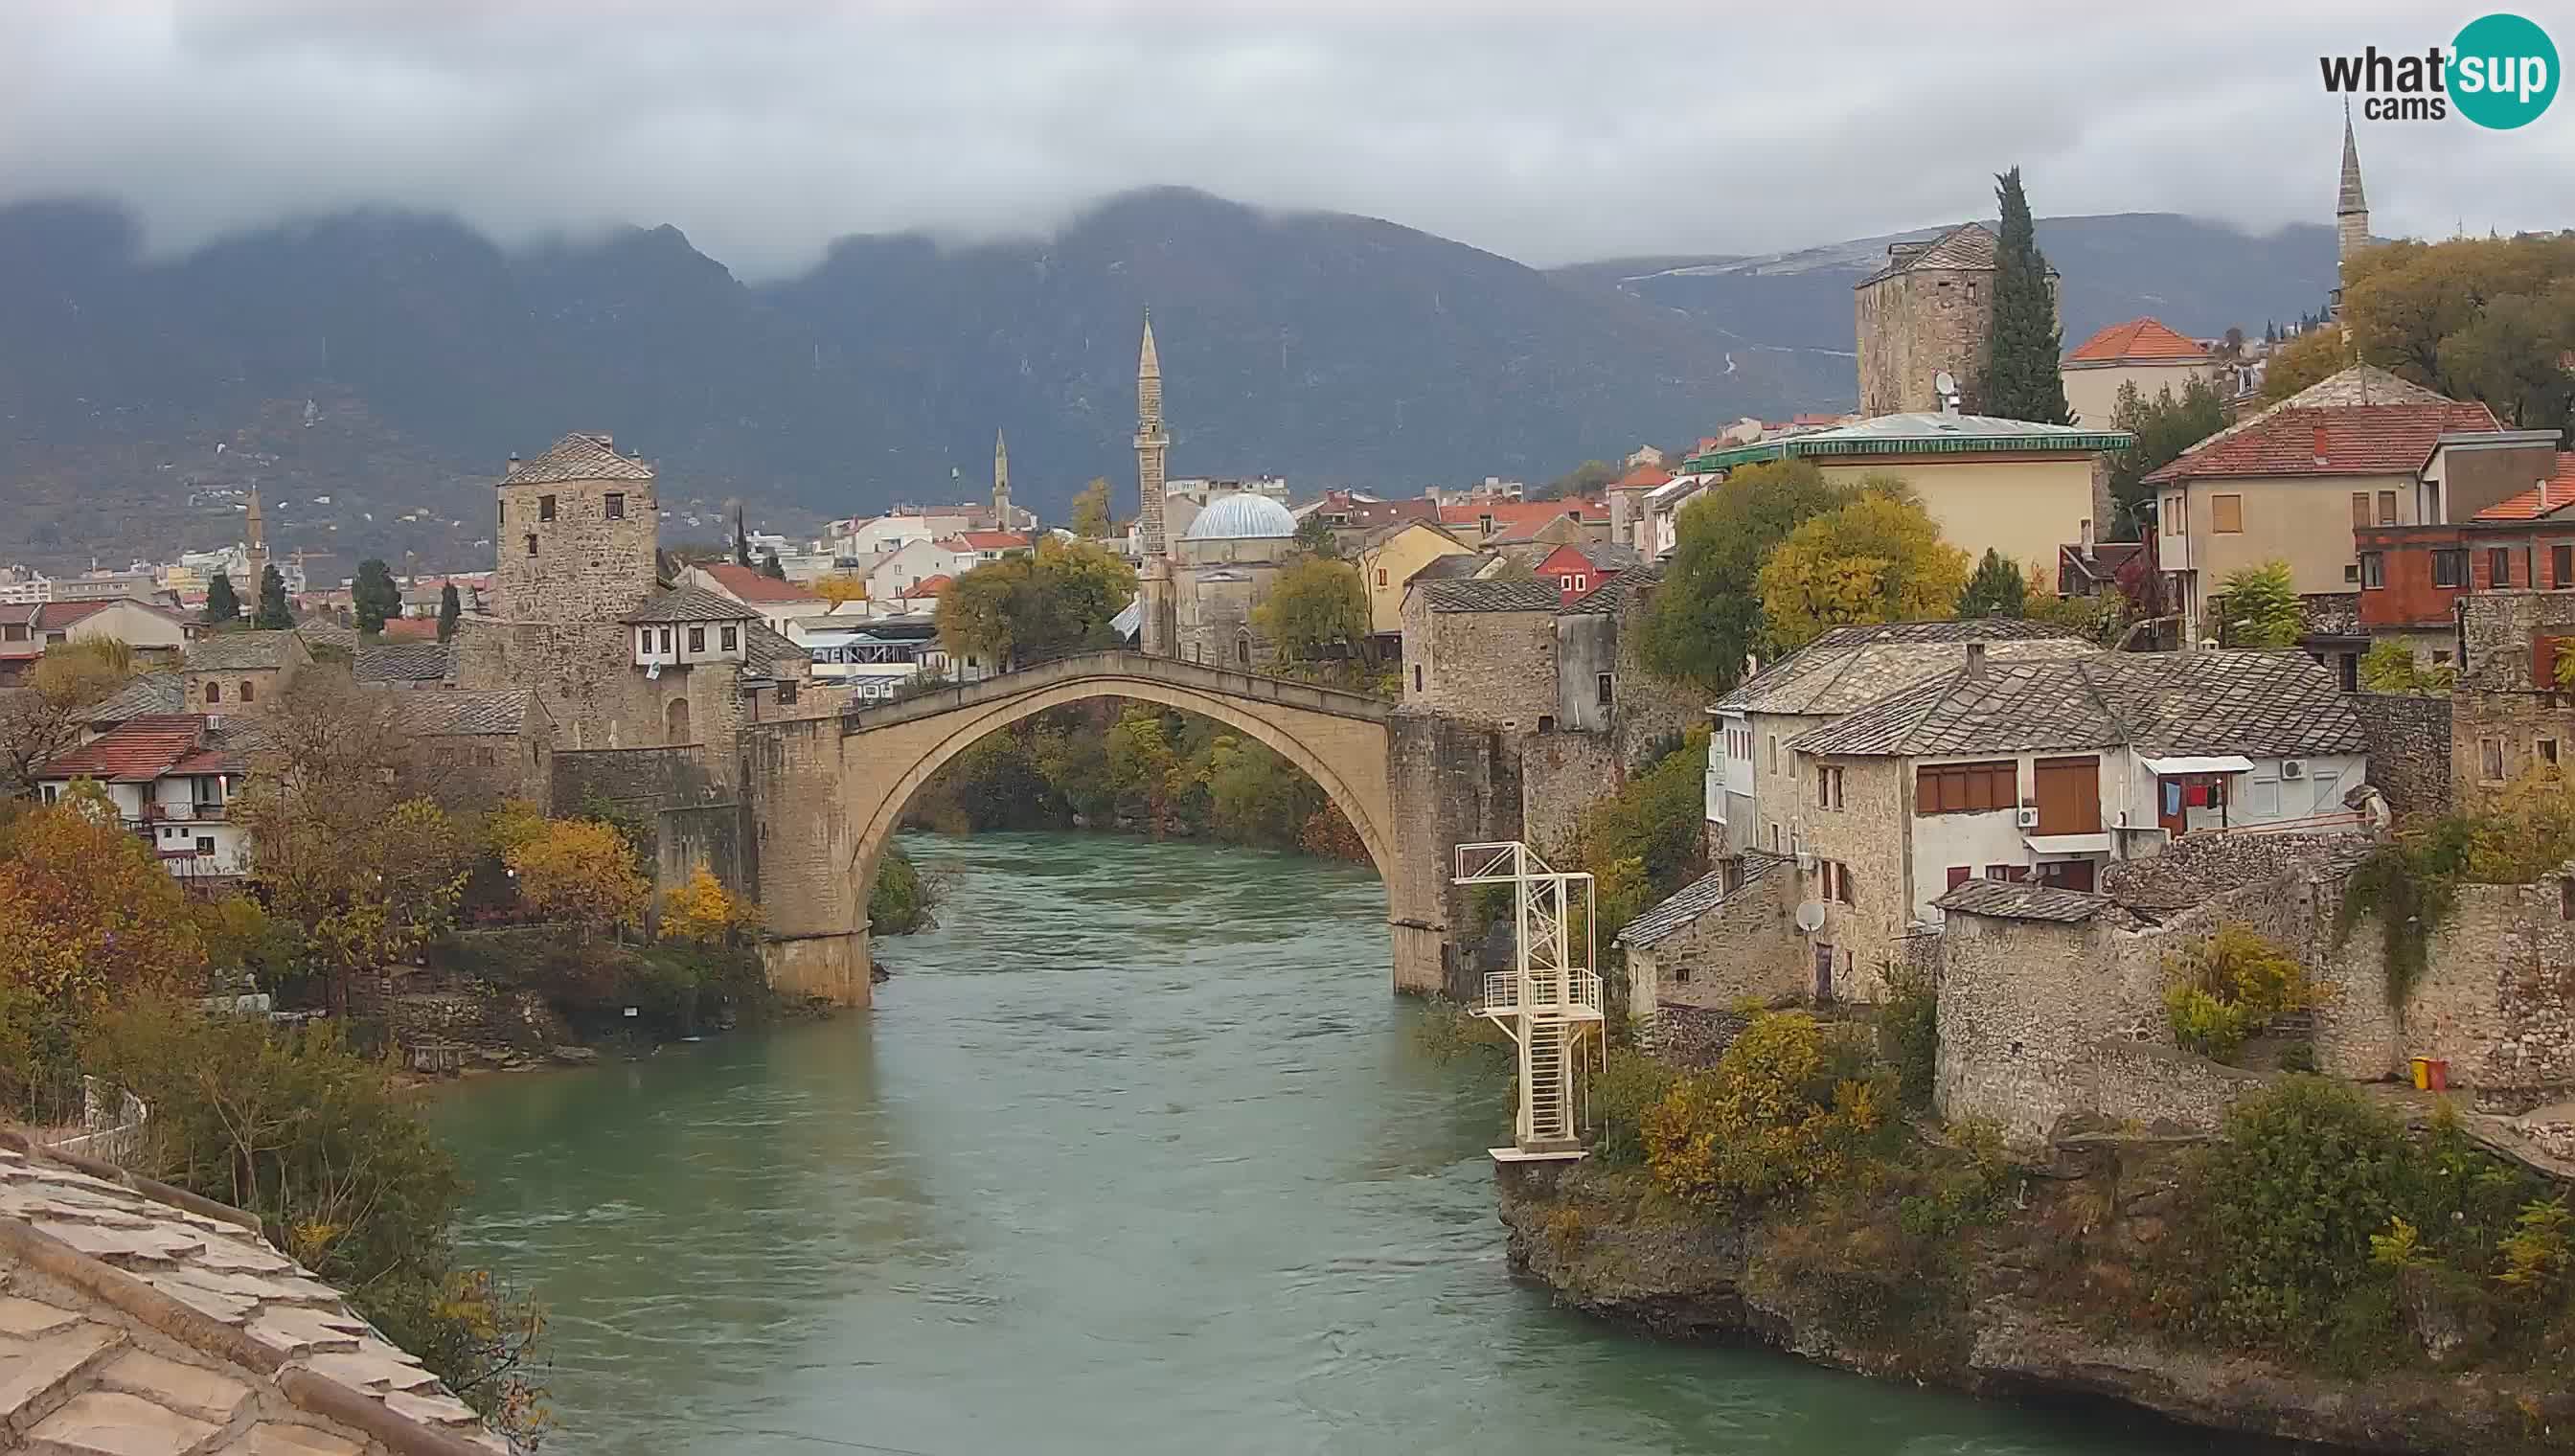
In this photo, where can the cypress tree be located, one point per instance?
(770, 568)
(222, 603)
(273, 615)
(374, 595)
(740, 539)
(2022, 381)
(450, 608)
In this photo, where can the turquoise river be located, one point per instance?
(1136, 1154)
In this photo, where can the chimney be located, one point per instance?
(512, 464)
(2087, 537)
(1975, 659)
(2323, 448)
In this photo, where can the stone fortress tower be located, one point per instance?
(578, 613)
(2351, 214)
(1927, 313)
(1156, 633)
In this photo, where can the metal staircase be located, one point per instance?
(1549, 1002)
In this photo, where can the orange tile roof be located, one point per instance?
(931, 586)
(136, 750)
(411, 629)
(1644, 478)
(749, 585)
(2547, 498)
(2142, 341)
(993, 540)
(2339, 440)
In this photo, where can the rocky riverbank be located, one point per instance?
(2036, 1301)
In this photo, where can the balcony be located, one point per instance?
(1582, 989)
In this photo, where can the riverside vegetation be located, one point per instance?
(2318, 1268)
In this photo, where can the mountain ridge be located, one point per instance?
(1328, 347)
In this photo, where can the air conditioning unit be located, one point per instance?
(2293, 767)
(2027, 818)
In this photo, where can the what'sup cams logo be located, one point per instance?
(2499, 72)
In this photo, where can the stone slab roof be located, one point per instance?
(1472, 595)
(1849, 668)
(2259, 704)
(240, 652)
(769, 650)
(150, 693)
(690, 603)
(408, 661)
(1966, 245)
(2012, 900)
(1694, 900)
(578, 458)
(140, 1321)
(454, 713)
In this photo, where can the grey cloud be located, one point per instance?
(765, 130)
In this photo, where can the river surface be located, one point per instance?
(1136, 1154)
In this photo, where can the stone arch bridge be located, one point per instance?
(826, 794)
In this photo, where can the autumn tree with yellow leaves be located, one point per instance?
(1877, 558)
(703, 912)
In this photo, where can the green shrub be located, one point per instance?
(2204, 1024)
(2230, 986)
(901, 901)
(1909, 1029)
(1632, 1083)
(1784, 1108)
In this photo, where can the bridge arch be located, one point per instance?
(827, 794)
(1361, 803)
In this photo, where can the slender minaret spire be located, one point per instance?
(1150, 444)
(255, 549)
(1001, 483)
(2351, 212)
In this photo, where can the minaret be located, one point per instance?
(1001, 484)
(1157, 632)
(255, 551)
(2351, 212)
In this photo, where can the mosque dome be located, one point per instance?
(1242, 516)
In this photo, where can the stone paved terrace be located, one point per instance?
(136, 1320)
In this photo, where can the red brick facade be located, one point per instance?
(2411, 574)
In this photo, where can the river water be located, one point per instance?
(1136, 1154)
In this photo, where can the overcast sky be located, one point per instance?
(1548, 133)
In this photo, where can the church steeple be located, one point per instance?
(1150, 444)
(2351, 212)
(1001, 484)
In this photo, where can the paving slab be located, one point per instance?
(112, 1423)
(188, 1389)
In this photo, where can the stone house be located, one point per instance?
(2140, 352)
(1927, 313)
(1388, 560)
(1628, 496)
(2048, 770)
(477, 748)
(404, 665)
(234, 671)
(1840, 673)
(2350, 448)
(1481, 650)
(2507, 716)
(2010, 486)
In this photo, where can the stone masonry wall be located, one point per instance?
(1867, 834)
(1562, 775)
(715, 836)
(1463, 782)
(2496, 999)
(643, 779)
(2410, 749)
(1649, 710)
(2504, 730)
(1491, 667)
(586, 567)
(1914, 324)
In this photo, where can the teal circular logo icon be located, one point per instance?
(2503, 71)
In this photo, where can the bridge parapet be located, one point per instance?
(1172, 671)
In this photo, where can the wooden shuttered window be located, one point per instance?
(1966, 788)
(2226, 514)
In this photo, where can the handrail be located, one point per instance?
(1111, 662)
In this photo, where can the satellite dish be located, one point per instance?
(1810, 917)
(1944, 383)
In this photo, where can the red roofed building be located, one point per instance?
(171, 780)
(777, 602)
(2358, 448)
(2140, 352)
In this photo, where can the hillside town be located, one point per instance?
(2081, 751)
